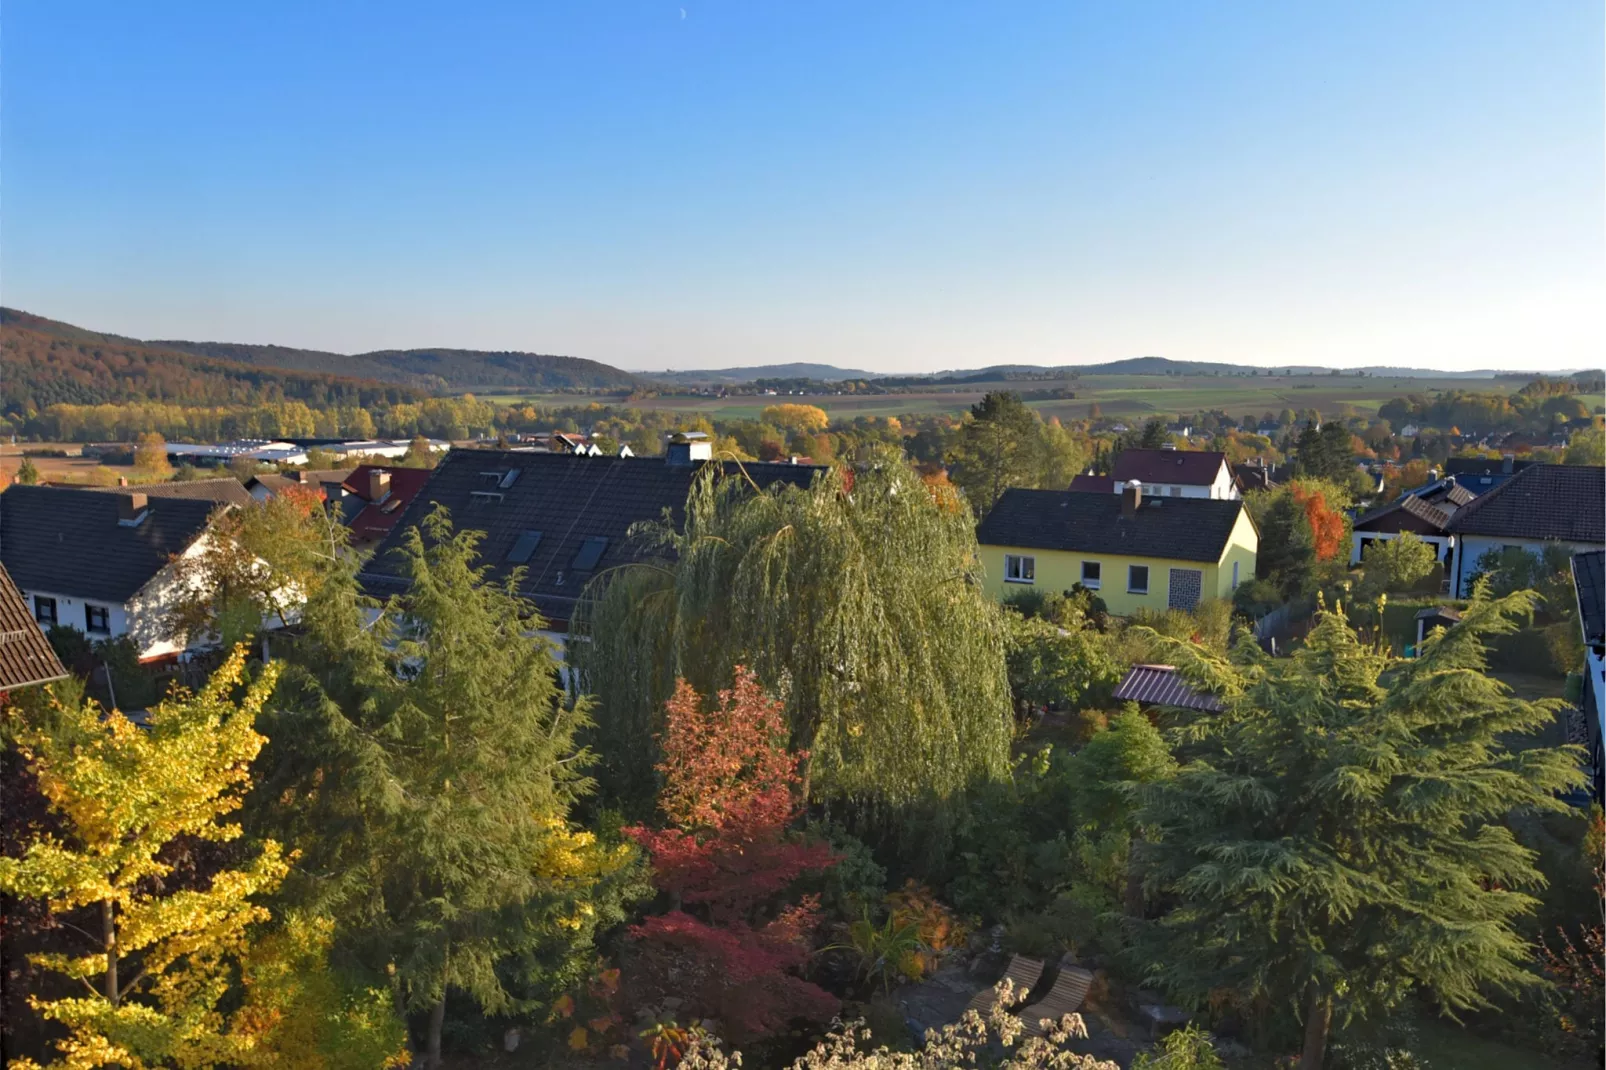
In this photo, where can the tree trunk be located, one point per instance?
(108, 932)
(437, 1018)
(1318, 1017)
(1132, 899)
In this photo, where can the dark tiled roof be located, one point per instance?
(1193, 467)
(376, 519)
(571, 500)
(219, 491)
(25, 654)
(1546, 501)
(1086, 484)
(1187, 529)
(68, 540)
(1483, 466)
(1412, 504)
(1160, 685)
(1591, 588)
(1457, 495)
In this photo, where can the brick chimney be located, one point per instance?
(131, 508)
(1131, 498)
(378, 484)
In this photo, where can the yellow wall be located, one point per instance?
(1059, 570)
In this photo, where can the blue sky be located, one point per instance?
(892, 186)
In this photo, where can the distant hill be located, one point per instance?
(828, 373)
(45, 362)
(437, 370)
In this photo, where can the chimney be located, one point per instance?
(1131, 498)
(681, 454)
(122, 481)
(131, 508)
(378, 484)
(1506, 462)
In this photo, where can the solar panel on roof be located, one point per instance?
(589, 554)
(524, 547)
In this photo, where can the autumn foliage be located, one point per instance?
(1326, 525)
(727, 950)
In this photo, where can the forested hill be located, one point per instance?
(438, 370)
(44, 362)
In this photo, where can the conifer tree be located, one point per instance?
(429, 763)
(858, 604)
(1335, 836)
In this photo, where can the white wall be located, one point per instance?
(1441, 543)
(1223, 489)
(70, 612)
(1475, 546)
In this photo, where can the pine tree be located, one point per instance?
(1334, 838)
(857, 603)
(126, 794)
(28, 472)
(430, 765)
(998, 447)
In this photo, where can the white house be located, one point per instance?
(1541, 505)
(1173, 473)
(104, 562)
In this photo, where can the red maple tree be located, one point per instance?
(1326, 525)
(728, 797)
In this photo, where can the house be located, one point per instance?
(224, 491)
(1137, 552)
(1480, 474)
(326, 481)
(1161, 685)
(1424, 512)
(562, 518)
(1175, 473)
(1589, 584)
(102, 561)
(1539, 504)
(1258, 475)
(26, 657)
(374, 496)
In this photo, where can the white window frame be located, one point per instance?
(1094, 583)
(1020, 568)
(90, 610)
(1146, 577)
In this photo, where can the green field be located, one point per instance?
(1118, 395)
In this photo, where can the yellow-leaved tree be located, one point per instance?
(166, 957)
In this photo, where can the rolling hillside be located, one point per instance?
(45, 362)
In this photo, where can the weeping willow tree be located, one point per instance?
(855, 600)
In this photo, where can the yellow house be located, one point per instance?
(1136, 552)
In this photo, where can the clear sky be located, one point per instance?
(892, 186)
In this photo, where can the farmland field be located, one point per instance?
(1118, 395)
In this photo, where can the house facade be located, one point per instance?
(101, 562)
(1541, 505)
(1134, 551)
(1172, 473)
(1424, 513)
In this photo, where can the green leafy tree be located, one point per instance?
(419, 454)
(1057, 663)
(997, 448)
(1394, 565)
(855, 600)
(426, 773)
(28, 472)
(1335, 838)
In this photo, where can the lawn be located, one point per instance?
(1445, 1046)
(1118, 396)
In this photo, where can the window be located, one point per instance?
(524, 547)
(1020, 568)
(97, 620)
(1235, 575)
(1091, 571)
(589, 554)
(44, 610)
(1176, 492)
(1137, 579)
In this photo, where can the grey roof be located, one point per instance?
(1161, 685)
(68, 540)
(1187, 529)
(583, 508)
(1591, 587)
(1545, 501)
(219, 491)
(1412, 504)
(26, 657)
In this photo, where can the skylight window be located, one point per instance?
(590, 553)
(509, 477)
(524, 547)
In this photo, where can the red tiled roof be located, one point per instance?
(26, 656)
(1196, 468)
(375, 519)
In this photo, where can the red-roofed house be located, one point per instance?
(1169, 473)
(376, 497)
